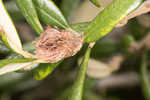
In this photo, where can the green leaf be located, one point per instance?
(50, 14)
(9, 61)
(103, 48)
(79, 82)
(96, 3)
(80, 27)
(10, 65)
(106, 20)
(68, 7)
(144, 78)
(12, 44)
(29, 12)
(43, 70)
(8, 31)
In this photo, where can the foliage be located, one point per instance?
(38, 13)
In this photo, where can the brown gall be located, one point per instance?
(56, 44)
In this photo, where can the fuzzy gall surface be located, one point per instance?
(55, 44)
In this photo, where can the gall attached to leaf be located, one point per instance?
(55, 44)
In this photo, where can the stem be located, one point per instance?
(79, 83)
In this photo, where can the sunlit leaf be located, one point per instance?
(106, 20)
(10, 65)
(10, 34)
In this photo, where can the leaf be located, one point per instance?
(10, 65)
(80, 27)
(50, 14)
(9, 34)
(106, 20)
(43, 70)
(143, 9)
(8, 61)
(96, 3)
(10, 43)
(68, 7)
(7, 30)
(144, 78)
(79, 82)
(29, 12)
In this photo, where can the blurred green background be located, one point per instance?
(113, 72)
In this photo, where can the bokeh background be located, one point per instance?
(113, 72)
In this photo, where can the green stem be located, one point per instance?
(79, 83)
(144, 78)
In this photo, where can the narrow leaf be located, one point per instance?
(143, 9)
(29, 12)
(96, 3)
(50, 14)
(79, 82)
(10, 65)
(108, 18)
(144, 78)
(43, 70)
(7, 30)
(8, 61)
(10, 43)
